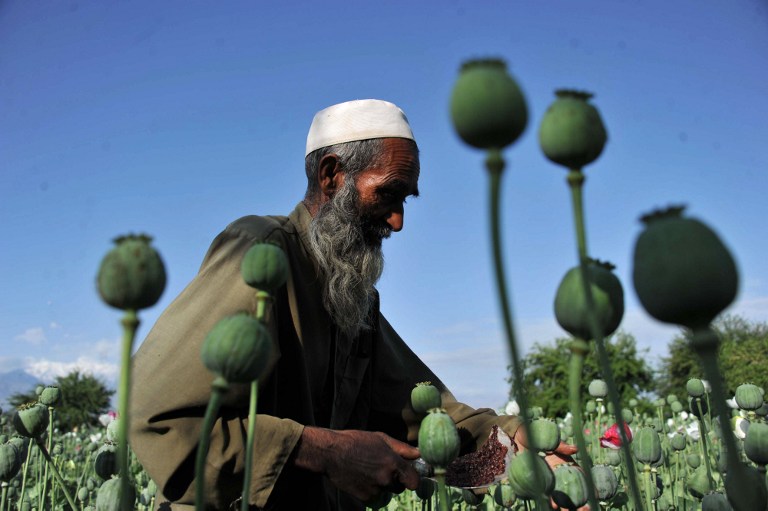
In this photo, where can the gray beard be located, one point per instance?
(347, 247)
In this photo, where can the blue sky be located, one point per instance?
(175, 118)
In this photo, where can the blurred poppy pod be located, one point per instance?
(683, 274)
(695, 387)
(570, 487)
(749, 396)
(424, 397)
(108, 495)
(50, 396)
(678, 441)
(265, 267)
(504, 496)
(543, 435)
(10, 461)
(756, 443)
(598, 388)
(572, 133)
(31, 420)
(131, 275)
(238, 348)
(487, 107)
(571, 309)
(606, 482)
(438, 439)
(530, 482)
(647, 446)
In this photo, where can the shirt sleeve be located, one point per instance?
(171, 389)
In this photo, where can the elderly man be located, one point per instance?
(335, 425)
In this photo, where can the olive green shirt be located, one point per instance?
(317, 377)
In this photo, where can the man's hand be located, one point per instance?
(360, 463)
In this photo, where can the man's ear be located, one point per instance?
(330, 177)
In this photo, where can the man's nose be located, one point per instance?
(395, 219)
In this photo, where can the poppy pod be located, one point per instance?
(238, 348)
(10, 462)
(487, 106)
(570, 487)
(438, 439)
(544, 435)
(571, 309)
(572, 133)
(756, 443)
(50, 396)
(749, 396)
(131, 275)
(683, 274)
(265, 267)
(523, 477)
(31, 420)
(425, 397)
(646, 446)
(606, 482)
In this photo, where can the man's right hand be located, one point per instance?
(360, 463)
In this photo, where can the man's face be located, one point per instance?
(382, 190)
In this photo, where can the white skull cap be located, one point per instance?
(360, 119)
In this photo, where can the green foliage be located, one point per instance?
(743, 356)
(83, 399)
(545, 372)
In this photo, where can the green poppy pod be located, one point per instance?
(715, 501)
(591, 406)
(671, 399)
(570, 487)
(522, 476)
(698, 483)
(756, 443)
(763, 410)
(265, 267)
(612, 457)
(487, 106)
(238, 348)
(504, 496)
(82, 494)
(598, 388)
(425, 397)
(108, 495)
(50, 396)
(678, 441)
(131, 275)
(693, 460)
(438, 439)
(543, 435)
(105, 462)
(10, 462)
(471, 498)
(646, 446)
(683, 274)
(608, 296)
(572, 133)
(676, 407)
(695, 387)
(606, 482)
(749, 396)
(31, 420)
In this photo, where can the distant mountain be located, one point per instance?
(14, 382)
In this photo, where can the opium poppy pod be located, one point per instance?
(756, 443)
(131, 275)
(572, 133)
(749, 396)
(424, 397)
(438, 439)
(607, 293)
(606, 482)
(31, 420)
(570, 487)
(523, 477)
(647, 446)
(238, 348)
(265, 267)
(683, 273)
(544, 435)
(50, 396)
(487, 107)
(10, 461)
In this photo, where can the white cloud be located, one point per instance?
(33, 335)
(54, 325)
(48, 370)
